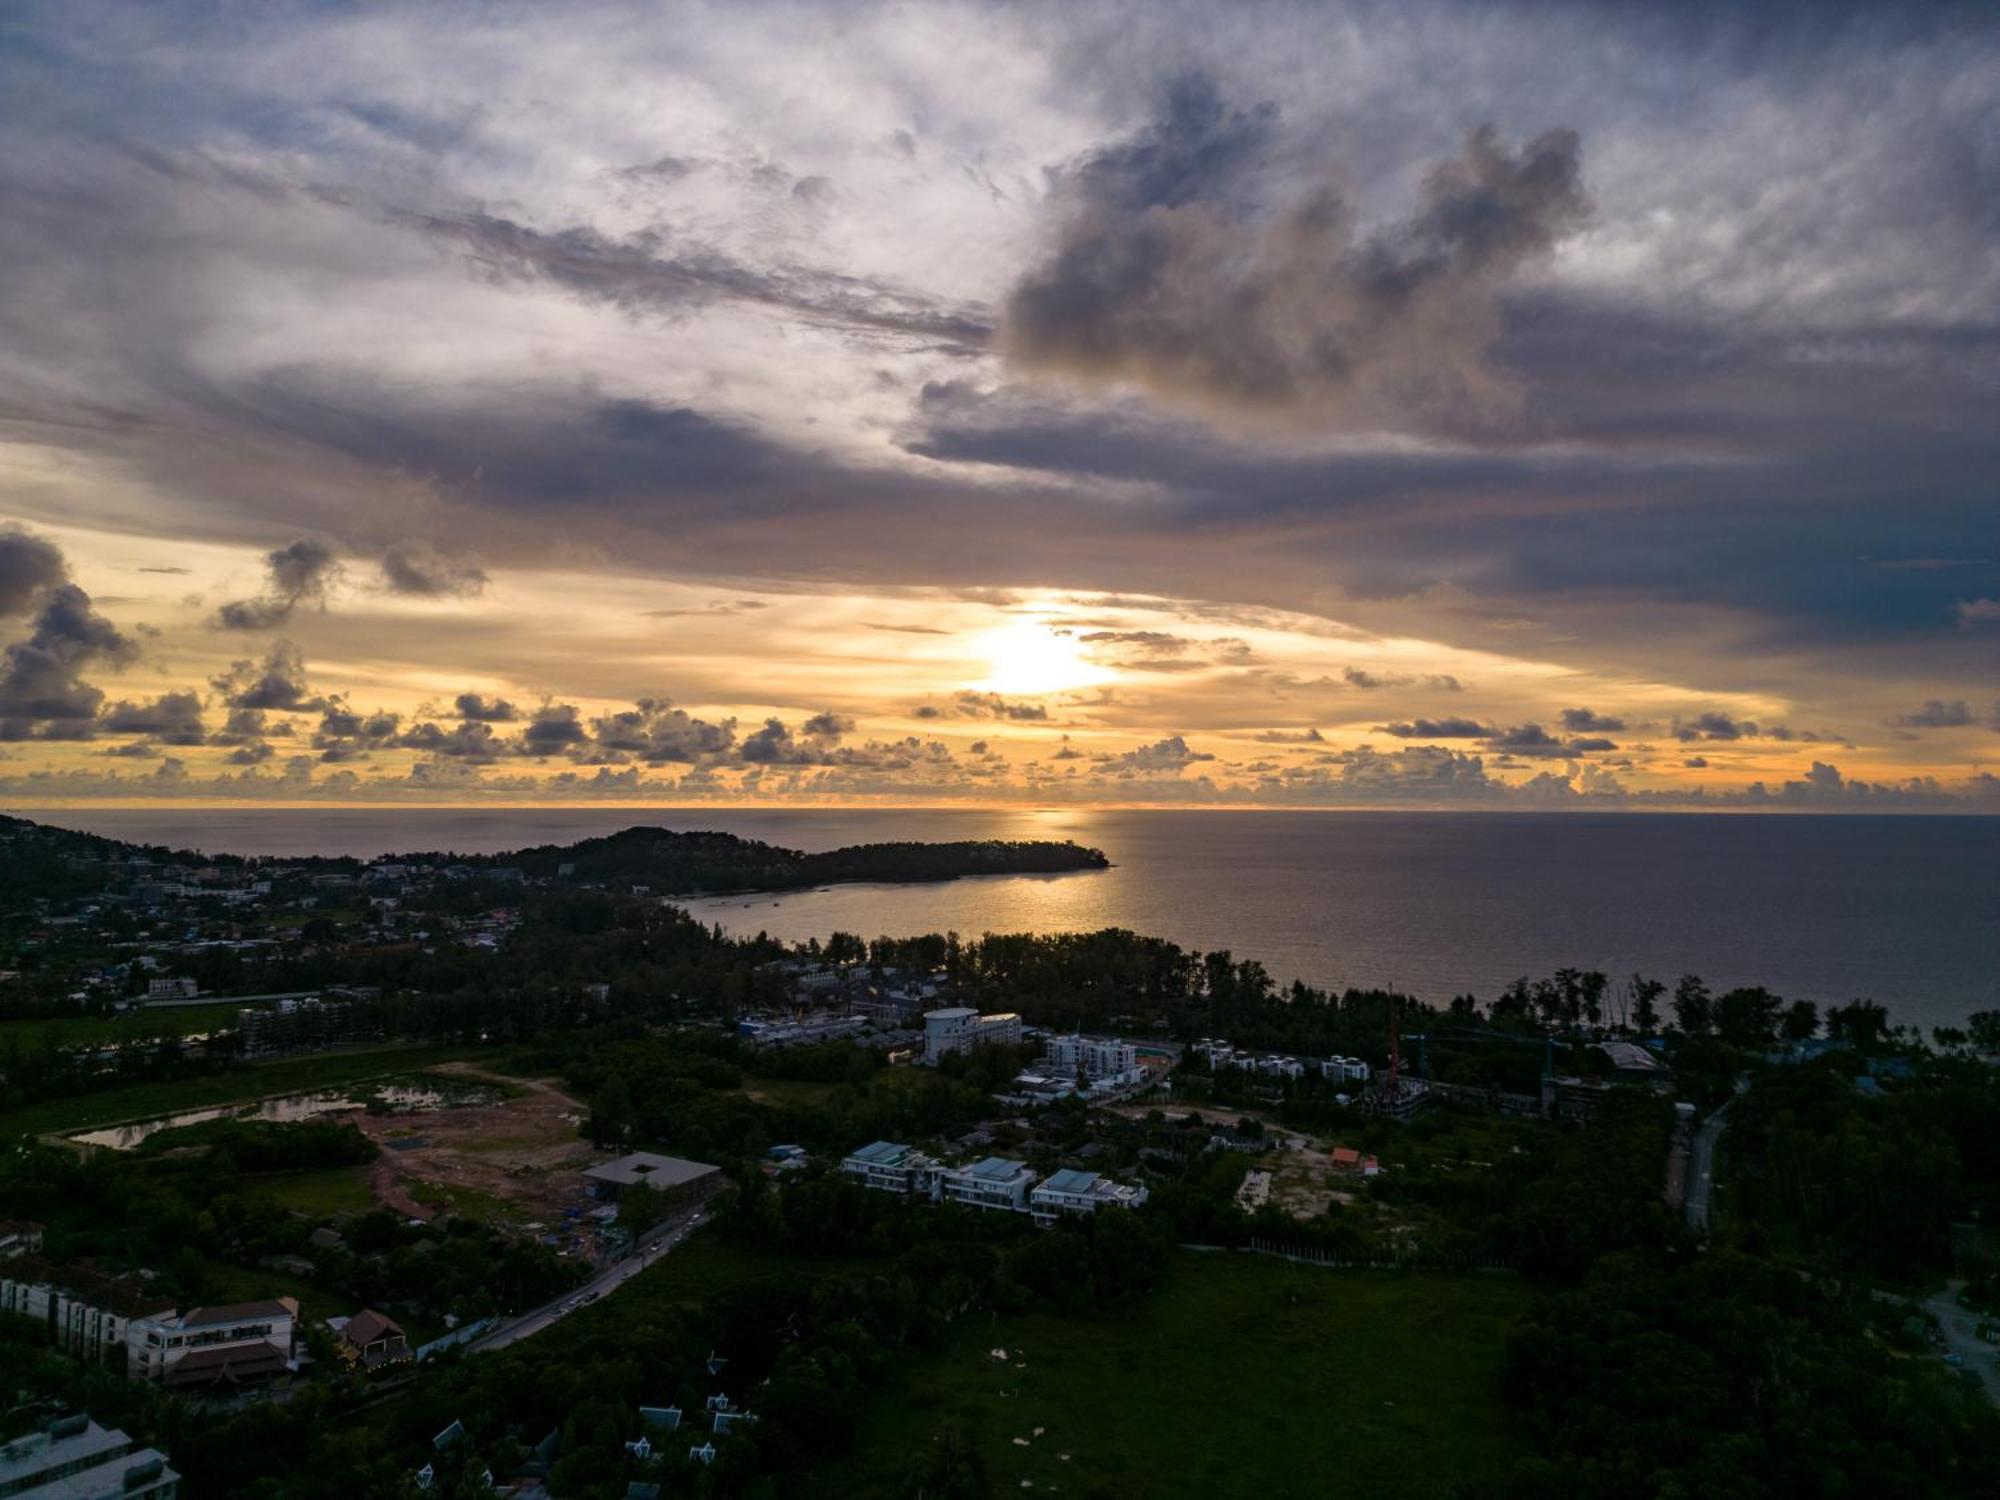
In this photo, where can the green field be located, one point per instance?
(317, 1194)
(132, 1026)
(290, 1075)
(1246, 1376)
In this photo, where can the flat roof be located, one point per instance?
(1070, 1180)
(996, 1168)
(651, 1168)
(241, 1312)
(885, 1153)
(950, 1013)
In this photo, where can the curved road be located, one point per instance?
(1701, 1174)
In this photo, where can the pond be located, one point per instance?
(402, 1098)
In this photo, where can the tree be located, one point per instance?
(1801, 1021)
(1646, 995)
(1863, 1022)
(1984, 1027)
(1693, 1010)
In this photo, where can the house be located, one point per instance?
(729, 1421)
(72, 1458)
(960, 1028)
(661, 1418)
(1351, 1163)
(19, 1237)
(369, 1340)
(1075, 1192)
(242, 1343)
(998, 1182)
(703, 1453)
(665, 1174)
(892, 1167)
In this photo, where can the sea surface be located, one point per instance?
(1903, 910)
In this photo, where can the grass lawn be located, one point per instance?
(465, 1202)
(91, 1031)
(1244, 1376)
(286, 1076)
(319, 1194)
(706, 1266)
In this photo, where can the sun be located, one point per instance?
(1029, 657)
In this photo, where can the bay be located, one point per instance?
(1902, 910)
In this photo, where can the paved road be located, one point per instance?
(653, 1244)
(1701, 1185)
(1960, 1326)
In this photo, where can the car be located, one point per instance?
(1953, 1359)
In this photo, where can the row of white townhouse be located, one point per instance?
(1221, 1054)
(231, 1346)
(997, 1183)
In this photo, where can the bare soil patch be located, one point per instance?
(523, 1150)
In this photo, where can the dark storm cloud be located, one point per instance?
(29, 566)
(299, 572)
(656, 732)
(1438, 729)
(1714, 726)
(1172, 272)
(1935, 714)
(278, 682)
(419, 570)
(42, 691)
(1162, 756)
(171, 718)
(481, 710)
(827, 726)
(553, 729)
(1585, 720)
(471, 741)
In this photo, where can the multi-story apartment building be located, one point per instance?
(960, 1028)
(1072, 1191)
(998, 1182)
(893, 1168)
(72, 1458)
(1098, 1059)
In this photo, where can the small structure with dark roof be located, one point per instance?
(369, 1340)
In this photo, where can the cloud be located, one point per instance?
(472, 741)
(278, 682)
(345, 734)
(1584, 720)
(42, 692)
(552, 729)
(1168, 755)
(1369, 682)
(418, 570)
(1973, 612)
(1173, 270)
(171, 718)
(827, 726)
(974, 705)
(29, 567)
(480, 710)
(1714, 726)
(656, 732)
(298, 572)
(1935, 714)
(1438, 729)
(1695, 762)
(1290, 737)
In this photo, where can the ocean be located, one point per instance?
(1902, 910)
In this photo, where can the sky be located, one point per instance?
(1408, 404)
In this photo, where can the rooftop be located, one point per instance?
(996, 1169)
(650, 1168)
(950, 1013)
(1070, 1180)
(882, 1153)
(241, 1312)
